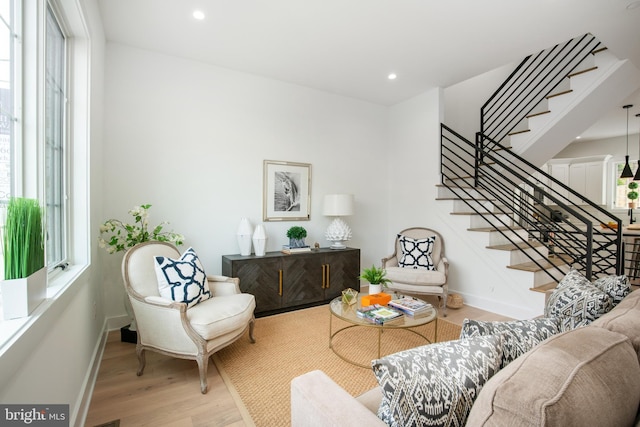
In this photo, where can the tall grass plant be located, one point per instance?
(23, 238)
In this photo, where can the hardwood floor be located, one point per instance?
(168, 394)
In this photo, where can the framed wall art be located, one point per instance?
(287, 191)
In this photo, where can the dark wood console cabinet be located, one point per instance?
(283, 282)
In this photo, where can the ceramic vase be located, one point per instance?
(260, 240)
(245, 230)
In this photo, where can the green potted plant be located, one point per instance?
(376, 278)
(633, 194)
(25, 276)
(296, 235)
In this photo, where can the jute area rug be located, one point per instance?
(291, 344)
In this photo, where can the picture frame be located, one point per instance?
(286, 191)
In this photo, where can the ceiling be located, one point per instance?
(349, 47)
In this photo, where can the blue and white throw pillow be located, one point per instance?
(182, 280)
(416, 253)
(436, 385)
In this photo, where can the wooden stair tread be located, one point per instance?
(538, 114)
(478, 213)
(586, 70)
(544, 288)
(515, 246)
(489, 229)
(519, 132)
(559, 93)
(544, 264)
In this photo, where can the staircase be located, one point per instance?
(495, 181)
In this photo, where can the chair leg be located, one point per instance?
(141, 360)
(444, 305)
(203, 366)
(252, 340)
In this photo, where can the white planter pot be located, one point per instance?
(374, 289)
(21, 296)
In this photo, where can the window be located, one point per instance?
(55, 133)
(21, 145)
(620, 191)
(9, 68)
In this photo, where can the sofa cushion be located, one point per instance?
(518, 336)
(183, 279)
(617, 287)
(416, 253)
(576, 302)
(585, 377)
(624, 319)
(435, 385)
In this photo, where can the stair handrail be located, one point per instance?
(535, 78)
(497, 172)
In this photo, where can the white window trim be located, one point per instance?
(18, 333)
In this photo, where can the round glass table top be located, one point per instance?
(349, 314)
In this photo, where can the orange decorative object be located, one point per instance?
(380, 298)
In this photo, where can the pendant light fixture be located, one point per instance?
(637, 177)
(626, 172)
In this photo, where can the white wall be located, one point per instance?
(464, 100)
(190, 139)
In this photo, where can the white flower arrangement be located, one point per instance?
(116, 236)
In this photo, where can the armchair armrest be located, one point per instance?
(390, 261)
(223, 285)
(317, 401)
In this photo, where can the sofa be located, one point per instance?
(585, 374)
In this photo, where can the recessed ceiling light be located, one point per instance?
(198, 14)
(578, 137)
(392, 76)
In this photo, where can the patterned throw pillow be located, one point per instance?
(436, 385)
(518, 336)
(573, 277)
(182, 280)
(416, 253)
(577, 304)
(617, 287)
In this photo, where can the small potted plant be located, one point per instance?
(25, 275)
(376, 278)
(633, 194)
(296, 235)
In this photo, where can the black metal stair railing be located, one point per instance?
(527, 206)
(534, 78)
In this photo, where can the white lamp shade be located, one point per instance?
(338, 205)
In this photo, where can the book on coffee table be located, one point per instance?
(409, 305)
(379, 314)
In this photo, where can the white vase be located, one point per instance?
(245, 230)
(260, 240)
(21, 296)
(374, 289)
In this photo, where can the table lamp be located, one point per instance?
(338, 205)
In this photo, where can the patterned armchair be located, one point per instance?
(189, 330)
(418, 264)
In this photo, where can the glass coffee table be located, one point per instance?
(348, 313)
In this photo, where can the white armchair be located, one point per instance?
(420, 280)
(170, 328)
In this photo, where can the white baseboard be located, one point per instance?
(90, 379)
(508, 310)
